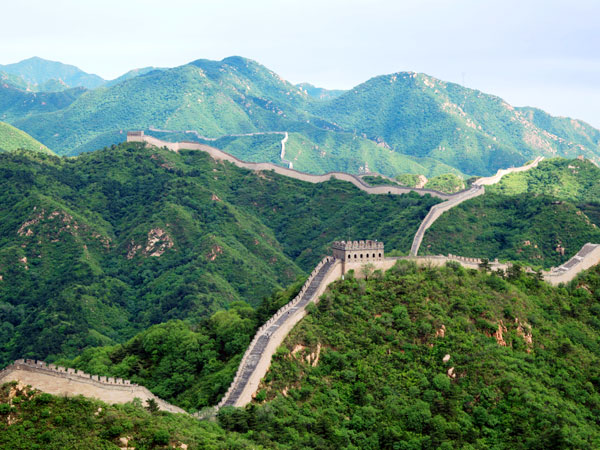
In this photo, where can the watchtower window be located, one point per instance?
(380, 255)
(349, 256)
(355, 256)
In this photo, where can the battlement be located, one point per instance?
(135, 133)
(357, 245)
(30, 364)
(352, 253)
(60, 380)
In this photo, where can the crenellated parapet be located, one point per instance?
(353, 253)
(42, 366)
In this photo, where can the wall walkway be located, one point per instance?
(268, 338)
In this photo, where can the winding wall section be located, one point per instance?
(220, 155)
(62, 381)
(475, 191)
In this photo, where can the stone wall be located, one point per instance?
(220, 155)
(291, 314)
(501, 172)
(66, 381)
(437, 210)
(587, 257)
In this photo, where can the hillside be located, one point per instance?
(314, 150)
(214, 98)
(537, 230)
(17, 103)
(33, 420)
(415, 358)
(320, 93)
(12, 138)
(405, 122)
(38, 74)
(564, 179)
(96, 248)
(521, 373)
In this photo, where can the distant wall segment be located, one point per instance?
(220, 155)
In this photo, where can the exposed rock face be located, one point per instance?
(524, 330)
(52, 225)
(441, 332)
(499, 334)
(214, 252)
(158, 242)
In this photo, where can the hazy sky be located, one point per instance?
(538, 53)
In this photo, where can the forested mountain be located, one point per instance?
(38, 74)
(12, 138)
(414, 358)
(95, 248)
(472, 131)
(405, 122)
(17, 103)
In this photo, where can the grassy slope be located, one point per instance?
(565, 179)
(447, 182)
(77, 235)
(12, 138)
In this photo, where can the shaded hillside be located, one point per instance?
(95, 248)
(17, 103)
(12, 138)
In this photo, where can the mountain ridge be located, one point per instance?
(406, 113)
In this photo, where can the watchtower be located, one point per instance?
(135, 136)
(357, 252)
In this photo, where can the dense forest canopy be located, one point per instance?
(96, 248)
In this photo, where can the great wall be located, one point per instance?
(58, 380)
(346, 256)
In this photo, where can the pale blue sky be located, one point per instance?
(537, 53)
